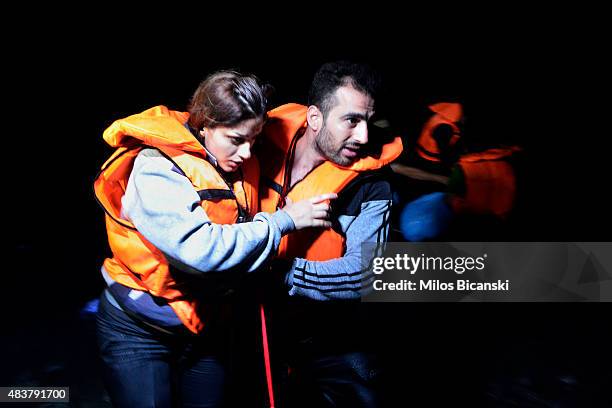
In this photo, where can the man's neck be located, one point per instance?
(306, 157)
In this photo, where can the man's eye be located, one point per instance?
(353, 121)
(237, 141)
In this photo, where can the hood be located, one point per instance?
(157, 126)
(450, 111)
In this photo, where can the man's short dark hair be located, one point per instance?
(333, 75)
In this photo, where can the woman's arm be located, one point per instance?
(164, 207)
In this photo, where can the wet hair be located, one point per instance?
(226, 98)
(334, 75)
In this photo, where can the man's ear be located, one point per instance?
(314, 117)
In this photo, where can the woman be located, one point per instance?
(180, 196)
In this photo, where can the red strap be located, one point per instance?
(264, 335)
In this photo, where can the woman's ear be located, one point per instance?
(203, 132)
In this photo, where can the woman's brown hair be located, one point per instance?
(226, 98)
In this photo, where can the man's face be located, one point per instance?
(345, 131)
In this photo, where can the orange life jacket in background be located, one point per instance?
(136, 263)
(445, 113)
(490, 183)
(278, 138)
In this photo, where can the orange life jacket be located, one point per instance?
(279, 134)
(445, 113)
(136, 263)
(490, 183)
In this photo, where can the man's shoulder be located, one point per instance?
(373, 184)
(369, 186)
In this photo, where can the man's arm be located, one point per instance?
(418, 174)
(364, 218)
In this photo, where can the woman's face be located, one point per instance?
(231, 146)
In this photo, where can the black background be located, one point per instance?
(529, 77)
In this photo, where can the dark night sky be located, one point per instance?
(75, 79)
(524, 82)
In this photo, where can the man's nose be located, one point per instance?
(360, 135)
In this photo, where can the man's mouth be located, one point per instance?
(351, 151)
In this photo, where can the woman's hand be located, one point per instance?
(311, 212)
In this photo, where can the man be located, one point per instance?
(326, 147)
(457, 186)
